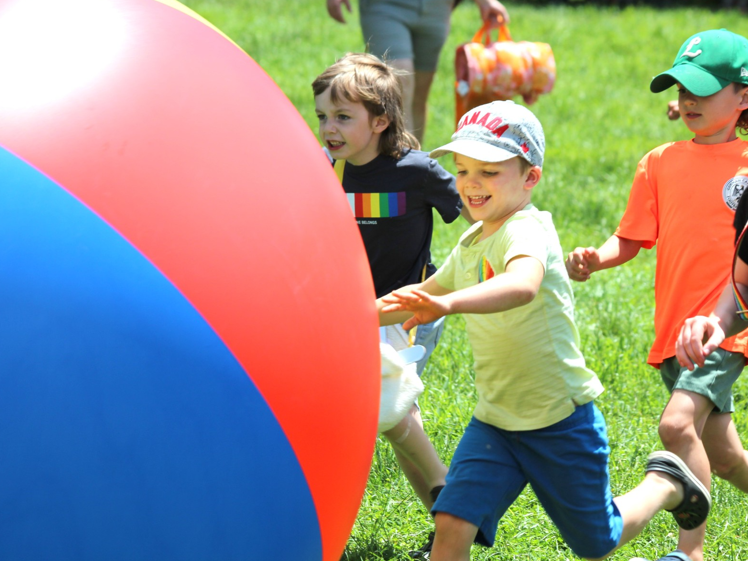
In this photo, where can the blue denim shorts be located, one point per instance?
(566, 464)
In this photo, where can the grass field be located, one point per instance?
(599, 121)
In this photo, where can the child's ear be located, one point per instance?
(533, 176)
(744, 100)
(380, 123)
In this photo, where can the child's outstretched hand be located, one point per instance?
(582, 262)
(699, 336)
(424, 307)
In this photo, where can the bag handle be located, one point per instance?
(483, 35)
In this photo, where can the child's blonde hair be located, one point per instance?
(364, 78)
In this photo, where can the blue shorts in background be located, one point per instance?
(428, 335)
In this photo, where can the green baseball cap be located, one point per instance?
(706, 63)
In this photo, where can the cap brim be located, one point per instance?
(693, 78)
(474, 149)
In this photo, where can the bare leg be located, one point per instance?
(681, 427)
(420, 106)
(656, 492)
(415, 478)
(453, 538)
(416, 86)
(728, 459)
(409, 441)
(408, 84)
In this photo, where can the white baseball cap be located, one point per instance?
(496, 132)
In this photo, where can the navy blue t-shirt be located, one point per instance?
(392, 201)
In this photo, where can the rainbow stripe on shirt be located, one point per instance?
(377, 205)
(485, 271)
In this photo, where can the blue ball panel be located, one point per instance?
(129, 431)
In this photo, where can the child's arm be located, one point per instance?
(516, 287)
(392, 316)
(584, 261)
(700, 335)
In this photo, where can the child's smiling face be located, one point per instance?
(494, 191)
(712, 118)
(347, 130)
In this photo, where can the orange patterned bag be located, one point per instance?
(487, 72)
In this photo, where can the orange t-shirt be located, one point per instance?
(684, 198)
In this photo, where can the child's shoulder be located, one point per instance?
(532, 217)
(418, 159)
(529, 221)
(426, 171)
(657, 152)
(689, 149)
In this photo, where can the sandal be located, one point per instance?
(694, 508)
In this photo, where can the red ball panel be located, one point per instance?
(186, 147)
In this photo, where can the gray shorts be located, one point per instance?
(406, 29)
(714, 380)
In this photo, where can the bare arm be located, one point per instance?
(583, 261)
(391, 317)
(517, 286)
(700, 335)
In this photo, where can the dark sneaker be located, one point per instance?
(694, 508)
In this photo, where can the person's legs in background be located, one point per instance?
(410, 39)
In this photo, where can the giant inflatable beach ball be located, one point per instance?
(188, 344)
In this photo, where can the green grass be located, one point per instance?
(599, 121)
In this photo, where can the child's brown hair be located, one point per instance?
(742, 124)
(364, 78)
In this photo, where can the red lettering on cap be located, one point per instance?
(524, 147)
(473, 118)
(483, 120)
(501, 130)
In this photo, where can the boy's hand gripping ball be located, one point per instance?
(169, 229)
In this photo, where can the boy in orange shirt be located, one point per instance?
(683, 198)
